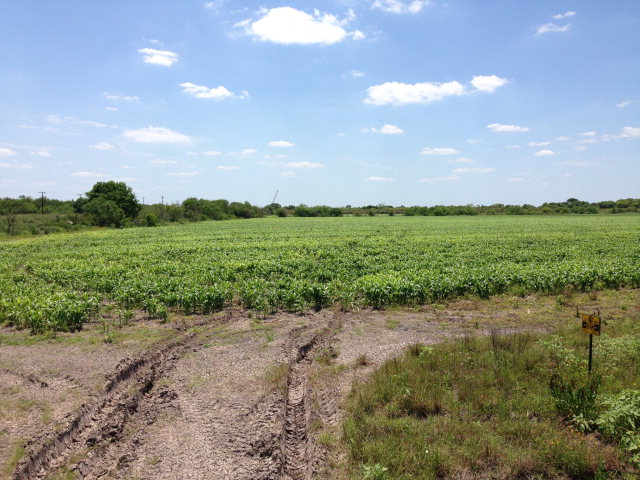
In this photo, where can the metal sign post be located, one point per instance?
(591, 324)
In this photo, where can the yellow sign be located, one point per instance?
(590, 324)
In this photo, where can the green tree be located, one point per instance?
(118, 193)
(104, 212)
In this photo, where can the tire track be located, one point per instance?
(297, 451)
(100, 422)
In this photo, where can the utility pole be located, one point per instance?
(162, 197)
(42, 201)
(142, 200)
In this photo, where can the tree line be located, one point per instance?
(114, 204)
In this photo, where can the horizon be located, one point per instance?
(344, 102)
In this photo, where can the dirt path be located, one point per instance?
(234, 399)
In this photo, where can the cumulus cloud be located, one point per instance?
(89, 174)
(623, 104)
(539, 144)
(446, 178)
(211, 153)
(461, 160)
(577, 163)
(591, 133)
(387, 130)
(397, 93)
(304, 164)
(7, 152)
(217, 93)
(560, 16)
(630, 132)
(227, 167)
(488, 83)
(473, 170)
(287, 26)
(356, 74)
(16, 165)
(281, 144)
(439, 151)
(41, 153)
(160, 161)
(379, 179)
(399, 7)
(515, 179)
(158, 57)
(544, 153)
(153, 134)
(552, 27)
(117, 96)
(501, 128)
(103, 146)
(183, 174)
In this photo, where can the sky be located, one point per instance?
(334, 102)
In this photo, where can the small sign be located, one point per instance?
(590, 324)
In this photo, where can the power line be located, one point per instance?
(42, 201)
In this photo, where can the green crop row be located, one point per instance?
(298, 263)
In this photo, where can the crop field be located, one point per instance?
(294, 264)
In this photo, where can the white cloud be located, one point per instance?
(461, 160)
(629, 132)
(499, 127)
(7, 152)
(281, 144)
(103, 146)
(577, 163)
(112, 109)
(227, 167)
(16, 165)
(211, 153)
(183, 174)
(89, 174)
(217, 93)
(387, 130)
(560, 16)
(473, 170)
(439, 151)
(356, 73)
(304, 164)
(399, 7)
(488, 83)
(41, 153)
(562, 139)
(379, 179)
(153, 134)
(286, 25)
(551, 27)
(116, 96)
(624, 103)
(446, 178)
(158, 57)
(539, 144)
(160, 161)
(544, 153)
(591, 133)
(396, 93)
(215, 5)
(515, 179)
(287, 174)
(247, 152)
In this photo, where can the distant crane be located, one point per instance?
(274, 197)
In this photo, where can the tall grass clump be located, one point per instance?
(503, 407)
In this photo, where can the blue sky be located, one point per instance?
(329, 102)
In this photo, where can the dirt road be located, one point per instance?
(227, 397)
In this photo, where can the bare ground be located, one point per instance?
(219, 397)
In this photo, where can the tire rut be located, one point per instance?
(297, 451)
(97, 425)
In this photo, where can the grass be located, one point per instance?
(483, 408)
(14, 458)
